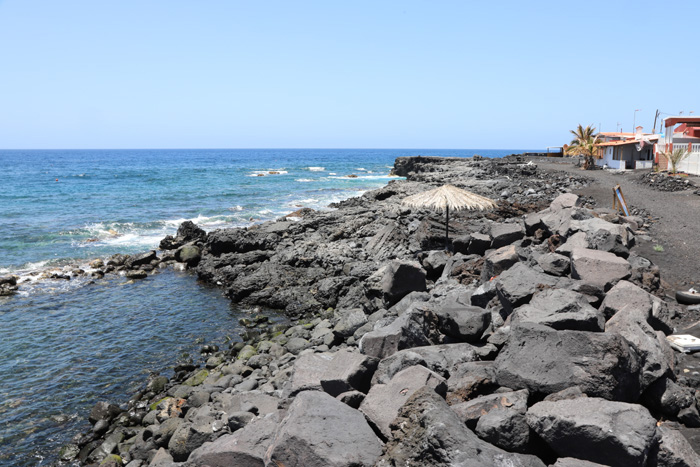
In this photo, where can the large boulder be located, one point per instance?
(498, 261)
(673, 450)
(635, 299)
(656, 355)
(471, 411)
(565, 200)
(383, 401)
(188, 231)
(251, 401)
(478, 244)
(518, 284)
(188, 254)
(201, 425)
(321, 431)
(560, 309)
(606, 236)
(463, 322)
(505, 234)
(442, 359)
(554, 264)
(333, 373)
(411, 329)
(428, 433)
(506, 428)
(435, 263)
(544, 360)
(577, 240)
(598, 267)
(349, 321)
(103, 411)
(401, 278)
(140, 259)
(469, 380)
(666, 397)
(594, 429)
(558, 222)
(246, 446)
(605, 240)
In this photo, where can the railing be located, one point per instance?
(694, 148)
(691, 164)
(643, 164)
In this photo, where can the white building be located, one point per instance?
(626, 151)
(681, 132)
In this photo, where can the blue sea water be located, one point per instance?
(65, 345)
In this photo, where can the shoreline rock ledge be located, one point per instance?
(537, 340)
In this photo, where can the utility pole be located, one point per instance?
(656, 116)
(634, 125)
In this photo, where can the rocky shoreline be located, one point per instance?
(538, 339)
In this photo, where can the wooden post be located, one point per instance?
(619, 200)
(447, 228)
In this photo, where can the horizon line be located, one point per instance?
(264, 148)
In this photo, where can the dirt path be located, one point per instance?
(676, 225)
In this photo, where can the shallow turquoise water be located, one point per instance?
(65, 345)
(65, 349)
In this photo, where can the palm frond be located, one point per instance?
(449, 196)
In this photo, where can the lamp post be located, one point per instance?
(634, 125)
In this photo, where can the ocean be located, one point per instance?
(67, 344)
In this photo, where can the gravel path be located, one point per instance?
(676, 226)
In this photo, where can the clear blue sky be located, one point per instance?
(360, 74)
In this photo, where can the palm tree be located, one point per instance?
(583, 144)
(674, 157)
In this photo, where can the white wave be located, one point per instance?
(236, 208)
(27, 271)
(302, 201)
(200, 219)
(304, 180)
(366, 177)
(265, 211)
(316, 169)
(360, 168)
(35, 266)
(134, 239)
(332, 173)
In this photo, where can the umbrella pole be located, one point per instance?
(447, 231)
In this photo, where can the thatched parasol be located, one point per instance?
(449, 197)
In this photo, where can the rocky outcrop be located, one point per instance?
(536, 341)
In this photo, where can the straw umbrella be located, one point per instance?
(446, 197)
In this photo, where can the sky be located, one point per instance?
(325, 74)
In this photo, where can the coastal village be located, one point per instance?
(676, 148)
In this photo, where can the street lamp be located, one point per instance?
(634, 125)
